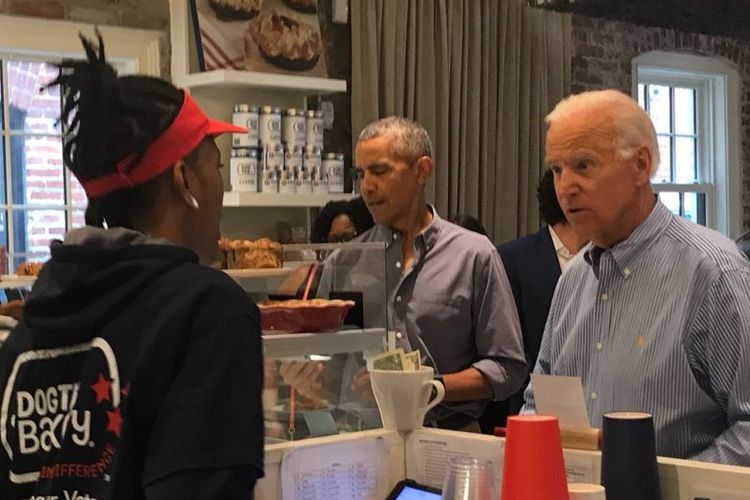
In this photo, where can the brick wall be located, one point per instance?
(603, 51)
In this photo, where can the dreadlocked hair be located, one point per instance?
(107, 118)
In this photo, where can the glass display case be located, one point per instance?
(323, 313)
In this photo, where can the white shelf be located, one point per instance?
(15, 281)
(248, 199)
(292, 345)
(250, 79)
(240, 274)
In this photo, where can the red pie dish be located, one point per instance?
(296, 316)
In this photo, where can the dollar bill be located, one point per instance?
(393, 360)
(412, 361)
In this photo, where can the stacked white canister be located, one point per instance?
(282, 154)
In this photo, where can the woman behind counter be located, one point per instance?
(135, 371)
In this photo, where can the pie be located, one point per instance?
(304, 304)
(258, 259)
(29, 268)
(306, 6)
(285, 41)
(236, 10)
(262, 253)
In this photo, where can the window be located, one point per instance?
(39, 199)
(689, 100)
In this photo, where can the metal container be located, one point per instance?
(243, 170)
(286, 181)
(314, 128)
(269, 181)
(293, 128)
(303, 181)
(312, 158)
(293, 158)
(319, 182)
(333, 167)
(245, 116)
(273, 157)
(270, 125)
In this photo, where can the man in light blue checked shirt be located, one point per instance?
(654, 315)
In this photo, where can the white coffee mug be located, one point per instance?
(403, 397)
(586, 491)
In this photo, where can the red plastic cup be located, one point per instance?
(533, 468)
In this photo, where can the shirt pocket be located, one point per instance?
(445, 322)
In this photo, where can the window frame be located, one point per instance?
(39, 40)
(718, 129)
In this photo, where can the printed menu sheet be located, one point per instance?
(340, 471)
(429, 451)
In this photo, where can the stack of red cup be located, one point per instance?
(534, 468)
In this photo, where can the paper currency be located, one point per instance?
(412, 361)
(393, 360)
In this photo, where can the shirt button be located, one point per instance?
(599, 346)
(593, 395)
(398, 265)
(626, 272)
(399, 335)
(605, 296)
(398, 298)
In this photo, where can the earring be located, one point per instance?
(194, 202)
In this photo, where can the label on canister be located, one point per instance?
(247, 117)
(270, 126)
(293, 128)
(243, 174)
(333, 166)
(314, 129)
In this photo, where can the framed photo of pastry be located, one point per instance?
(270, 36)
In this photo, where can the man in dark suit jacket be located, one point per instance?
(533, 265)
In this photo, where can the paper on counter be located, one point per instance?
(429, 451)
(562, 397)
(336, 471)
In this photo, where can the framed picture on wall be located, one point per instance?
(271, 36)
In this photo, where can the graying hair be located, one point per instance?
(412, 140)
(631, 123)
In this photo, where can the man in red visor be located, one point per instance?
(135, 371)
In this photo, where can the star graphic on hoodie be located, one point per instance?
(101, 388)
(114, 421)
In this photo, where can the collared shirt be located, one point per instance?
(660, 323)
(455, 305)
(563, 254)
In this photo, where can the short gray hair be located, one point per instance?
(412, 140)
(631, 123)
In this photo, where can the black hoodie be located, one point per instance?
(131, 366)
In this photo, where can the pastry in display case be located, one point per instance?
(321, 319)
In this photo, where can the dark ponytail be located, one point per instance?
(106, 118)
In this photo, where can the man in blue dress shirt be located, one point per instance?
(654, 316)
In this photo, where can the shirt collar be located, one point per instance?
(640, 240)
(427, 238)
(560, 249)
